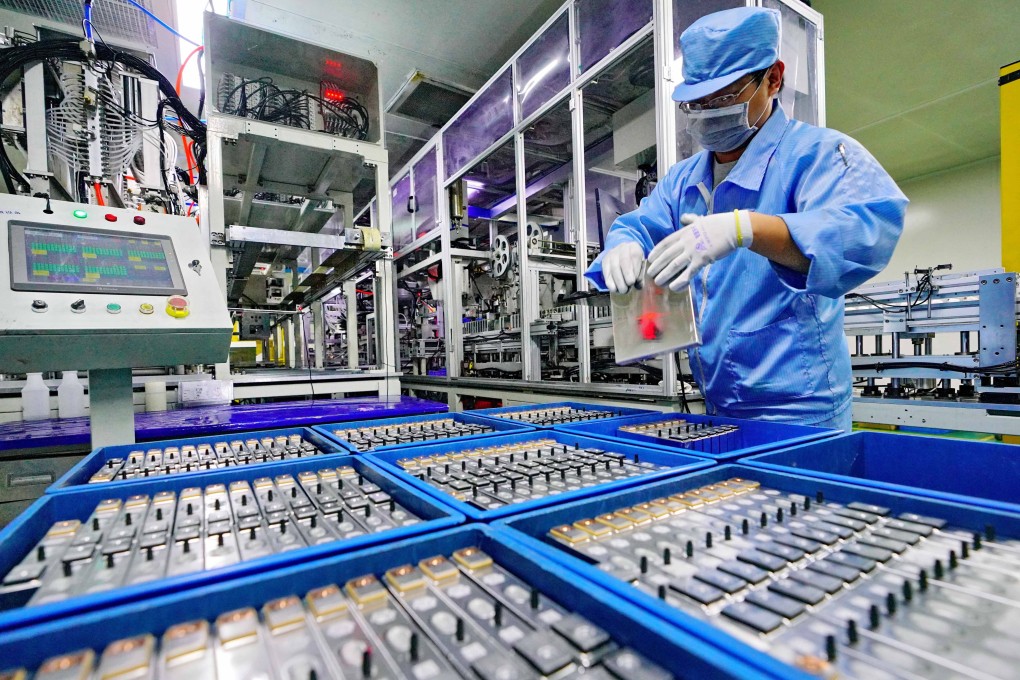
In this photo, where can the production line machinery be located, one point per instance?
(963, 333)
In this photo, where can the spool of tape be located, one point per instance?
(371, 238)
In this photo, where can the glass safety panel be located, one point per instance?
(403, 213)
(799, 52)
(425, 192)
(603, 25)
(544, 68)
(483, 122)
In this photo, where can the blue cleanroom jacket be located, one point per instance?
(773, 346)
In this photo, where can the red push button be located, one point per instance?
(139, 219)
(110, 217)
(177, 306)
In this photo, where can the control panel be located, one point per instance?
(94, 287)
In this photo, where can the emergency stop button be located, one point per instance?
(177, 306)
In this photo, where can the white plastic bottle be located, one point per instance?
(70, 396)
(35, 398)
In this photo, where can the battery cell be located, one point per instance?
(143, 538)
(557, 415)
(450, 616)
(174, 460)
(368, 438)
(840, 589)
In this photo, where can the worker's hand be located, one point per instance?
(678, 257)
(622, 265)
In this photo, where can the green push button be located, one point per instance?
(80, 214)
(113, 308)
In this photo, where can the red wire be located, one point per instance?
(99, 193)
(177, 86)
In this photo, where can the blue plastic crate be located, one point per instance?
(501, 427)
(531, 529)
(678, 464)
(682, 654)
(19, 537)
(951, 469)
(621, 411)
(753, 436)
(81, 473)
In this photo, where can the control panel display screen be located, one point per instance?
(65, 259)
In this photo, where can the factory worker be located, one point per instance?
(770, 226)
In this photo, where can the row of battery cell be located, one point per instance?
(839, 590)
(175, 460)
(463, 616)
(681, 431)
(495, 476)
(368, 438)
(143, 539)
(558, 415)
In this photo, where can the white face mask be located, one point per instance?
(722, 129)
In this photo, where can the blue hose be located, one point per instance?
(88, 21)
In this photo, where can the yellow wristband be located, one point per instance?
(740, 236)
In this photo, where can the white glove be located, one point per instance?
(678, 257)
(622, 265)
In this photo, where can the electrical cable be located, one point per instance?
(161, 22)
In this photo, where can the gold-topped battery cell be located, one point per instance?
(263, 483)
(163, 497)
(669, 505)
(128, 656)
(404, 578)
(438, 568)
(307, 477)
(326, 601)
(73, 666)
(239, 485)
(472, 558)
(284, 481)
(408, 463)
(185, 639)
(136, 501)
(16, 674)
(365, 589)
(346, 471)
(634, 515)
(283, 614)
(688, 500)
(455, 456)
(65, 528)
(614, 521)
(328, 475)
(652, 509)
(570, 533)
(590, 526)
(240, 626)
(108, 505)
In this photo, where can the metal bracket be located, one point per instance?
(301, 239)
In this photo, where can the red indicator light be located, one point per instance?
(331, 92)
(110, 217)
(332, 66)
(139, 219)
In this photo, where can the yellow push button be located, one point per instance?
(146, 308)
(177, 306)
